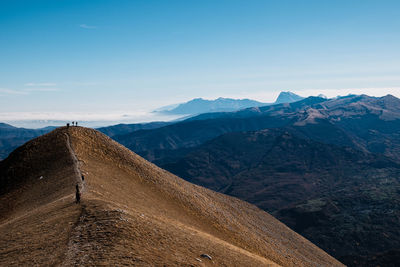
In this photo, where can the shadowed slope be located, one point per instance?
(342, 199)
(132, 212)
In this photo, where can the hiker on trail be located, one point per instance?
(67, 125)
(77, 194)
(76, 123)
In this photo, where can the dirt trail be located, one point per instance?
(74, 247)
(76, 164)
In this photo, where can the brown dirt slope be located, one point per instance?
(131, 213)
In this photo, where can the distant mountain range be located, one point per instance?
(315, 163)
(200, 105)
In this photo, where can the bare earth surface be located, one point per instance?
(131, 213)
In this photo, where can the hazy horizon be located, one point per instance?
(100, 119)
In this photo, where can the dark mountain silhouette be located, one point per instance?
(346, 201)
(131, 213)
(12, 137)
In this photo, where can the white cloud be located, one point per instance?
(85, 26)
(5, 91)
(83, 83)
(39, 84)
(27, 91)
(48, 89)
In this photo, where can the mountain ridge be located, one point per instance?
(199, 105)
(131, 212)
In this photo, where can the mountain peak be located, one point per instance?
(131, 211)
(288, 97)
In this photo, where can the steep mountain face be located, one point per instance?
(200, 105)
(288, 97)
(131, 213)
(344, 200)
(12, 137)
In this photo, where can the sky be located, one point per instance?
(106, 59)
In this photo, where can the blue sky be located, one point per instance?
(120, 57)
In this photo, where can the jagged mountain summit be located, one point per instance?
(131, 212)
(287, 97)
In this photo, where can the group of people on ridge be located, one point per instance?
(74, 123)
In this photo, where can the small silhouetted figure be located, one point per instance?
(73, 123)
(77, 194)
(67, 125)
(76, 123)
(83, 178)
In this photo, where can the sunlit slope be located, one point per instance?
(131, 212)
